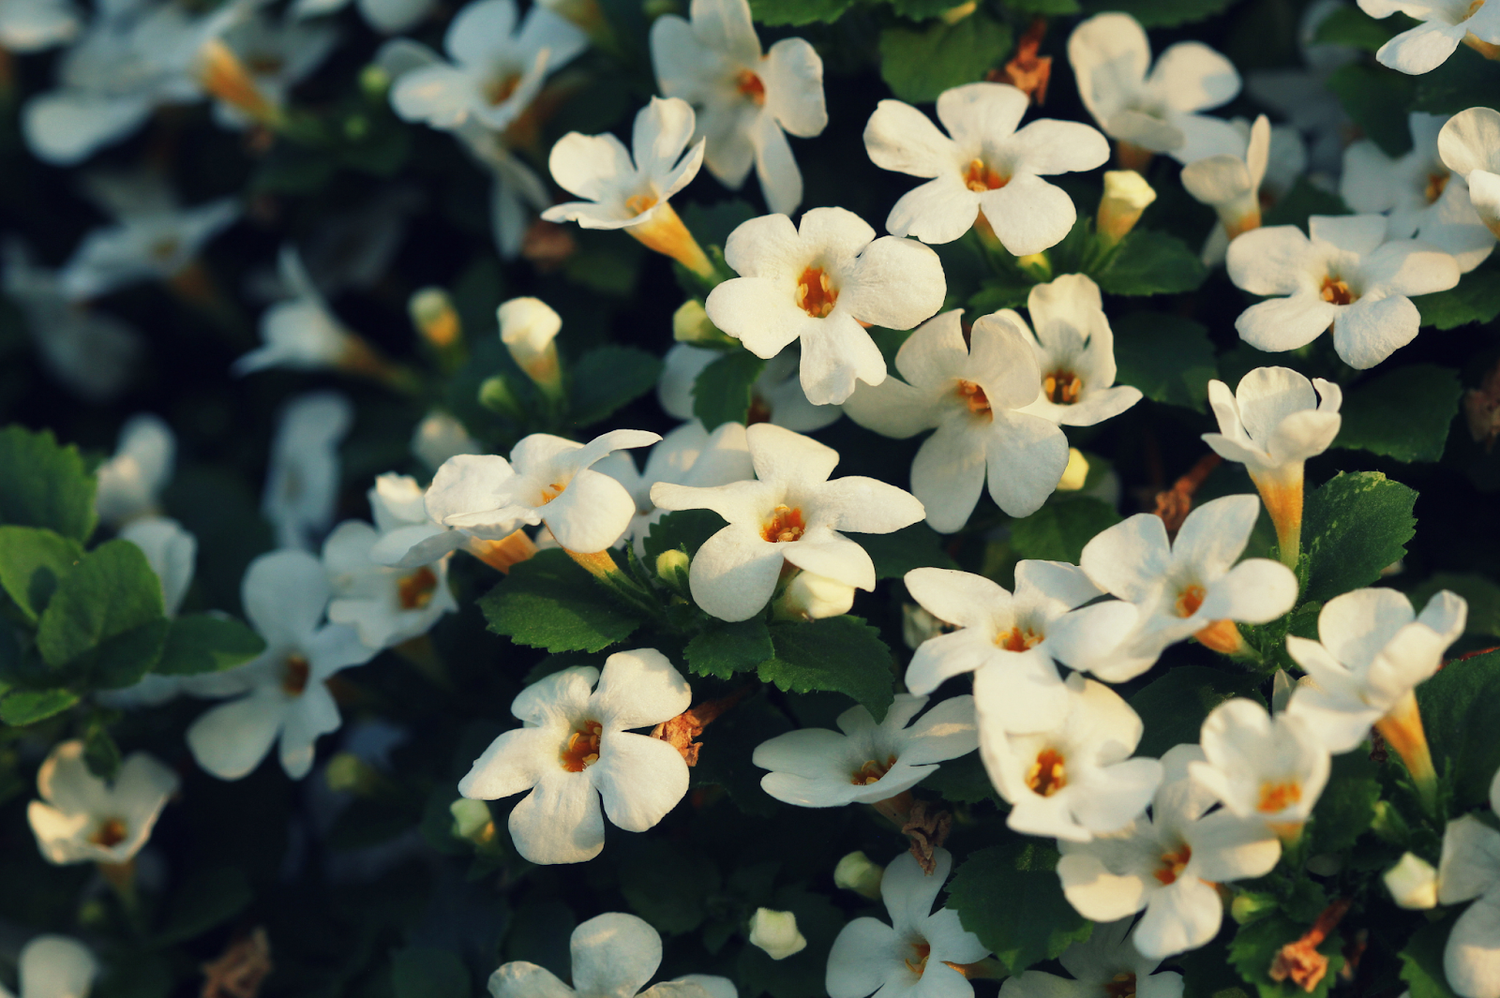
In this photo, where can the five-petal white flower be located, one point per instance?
(1271, 769)
(1469, 145)
(83, 819)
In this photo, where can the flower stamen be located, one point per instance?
(640, 203)
(582, 750)
(872, 771)
(980, 178)
(1048, 774)
(110, 833)
(294, 676)
(1172, 865)
(973, 396)
(1018, 639)
(1062, 387)
(751, 86)
(1278, 796)
(1122, 985)
(1437, 180)
(815, 293)
(415, 591)
(785, 525)
(1336, 291)
(1188, 601)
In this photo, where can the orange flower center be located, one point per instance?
(110, 833)
(1436, 181)
(1172, 865)
(750, 85)
(1189, 600)
(415, 591)
(973, 396)
(1062, 387)
(1047, 775)
(917, 963)
(552, 491)
(295, 671)
(980, 178)
(815, 293)
(639, 203)
(1336, 291)
(1018, 639)
(1278, 796)
(785, 525)
(1122, 985)
(582, 750)
(498, 91)
(872, 771)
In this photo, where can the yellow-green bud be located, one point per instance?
(496, 396)
(472, 820)
(374, 82)
(433, 314)
(348, 773)
(690, 324)
(1126, 195)
(1413, 883)
(1076, 473)
(1247, 907)
(857, 873)
(776, 932)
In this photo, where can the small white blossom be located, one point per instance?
(386, 16)
(1470, 870)
(55, 967)
(1444, 23)
(303, 480)
(276, 54)
(1271, 769)
(1229, 183)
(157, 241)
(1102, 967)
(528, 328)
(385, 605)
(809, 596)
(300, 333)
(1469, 145)
(130, 482)
(83, 819)
(1075, 351)
(689, 455)
(440, 436)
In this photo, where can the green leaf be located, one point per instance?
(920, 63)
(1481, 593)
(1467, 79)
(921, 10)
(607, 378)
(426, 972)
(1347, 804)
(1206, 973)
(1049, 8)
(1476, 298)
(666, 885)
(203, 642)
(1173, 706)
(209, 898)
(1458, 714)
(962, 780)
(683, 530)
(1256, 945)
(1352, 528)
(793, 12)
(840, 654)
(722, 392)
(1372, 95)
(44, 485)
(1011, 291)
(1353, 27)
(23, 707)
(984, 889)
(726, 649)
(32, 562)
(549, 602)
(896, 553)
(100, 752)
(1161, 13)
(1151, 263)
(1059, 530)
(1422, 960)
(1403, 413)
(1169, 358)
(1301, 202)
(106, 617)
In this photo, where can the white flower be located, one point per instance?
(1077, 779)
(689, 455)
(575, 746)
(745, 100)
(83, 819)
(300, 333)
(528, 328)
(868, 762)
(1190, 586)
(1107, 965)
(809, 596)
(1110, 55)
(496, 69)
(34, 25)
(385, 605)
(1372, 653)
(613, 956)
(1268, 768)
(1413, 883)
(131, 481)
(170, 551)
(1418, 192)
(1445, 23)
(919, 953)
(776, 933)
(55, 967)
(547, 480)
(1167, 864)
(285, 690)
(1469, 145)
(1075, 350)
(790, 515)
(776, 397)
(1470, 869)
(155, 242)
(986, 167)
(973, 393)
(1229, 183)
(1347, 276)
(440, 436)
(817, 282)
(303, 480)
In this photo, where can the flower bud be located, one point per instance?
(812, 597)
(1247, 907)
(1076, 473)
(433, 314)
(857, 873)
(496, 396)
(1412, 882)
(222, 74)
(374, 82)
(439, 437)
(776, 933)
(1126, 195)
(528, 327)
(472, 820)
(672, 568)
(348, 773)
(690, 324)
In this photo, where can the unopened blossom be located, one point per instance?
(1190, 586)
(576, 746)
(385, 605)
(1126, 197)
(496, 70)
(157, 241)
(529, 328)
(1469, 145)
(55, 967)
(1230, 183)
(84, 819)
(746, 100)
(1443, 25)
(776, 933)
(131, 481)
(1413, 883)
(775, 397)
(1106, 965)
(817, 282)
(863, 761)
(282, 694)
(1470, 869)
(974, 391)
(987, 168)
(689, 455)
(440, 436)
(1166, 864)
(1075, 351)
(1155, 112)
(809, 596)
(632, 192)
(919, 954)
(301, 333)
(855, 872)
(1347, 276)
(1271, 769)
(1273, 422)
(547, 480)
(613, 956)
(303, 480)
(1422, 197)
(790, 515)
(1076, 779)
(35, 25)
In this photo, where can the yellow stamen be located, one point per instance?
(582, 749)
(815, 293)
(1048, 774)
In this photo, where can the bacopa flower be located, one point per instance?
(55, 967)
(153, 240)
(1106, 965)
(986, 169)
(1271, 769)
(575, 747)
(131, 481)
(921, 953)
(1470, 870)
(35, 25)
(83, 819)
(791, 514)
(1444, 23)
(867, 762)
(1230, 184)
(1469, 145)
(301, 333)
(1346, 276)
(817, 282)
(384, 605)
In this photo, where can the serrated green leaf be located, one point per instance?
(1161, 13)
(896, 553)
(725, 649)
(1353, 527)
(1173, 706)
(202, 642)
(1458, 714)
(426, 972)
(722, 391)
(1353, 27)
(1476, 298)
(1256, 945)
(105, 618)
(1370, 95)
(44, 485)
(1059, 530)
(1403, 413)
(1422, 960)
(22, 707)
(920, 63)
(839, 654)
(1169, 358)
(983, 892)
(549, 602)
(606, 378)
(1151, 263)
(33, 561)
(1347, 805)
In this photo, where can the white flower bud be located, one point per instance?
(812, 597)
(857, 873)
(1126, 195)
(1412, 883)
(776, 933)
(472, 820)
(1076, 473)
(433, 314)
(439, 437)
(528, 327)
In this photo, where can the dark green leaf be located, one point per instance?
(1161, 13)
(1206, 973)
(1475, 299)
(896, 553)
(721, 394)
(137, 975)
(106, 617)
(684, 530)
(1169, 358)
(23, 707)
(666, 885)
(425, 972)
(1370, 95)
(1050, 8)
(1151, 263)
(209, 898)
(962, 780)
(33, 561)
(1256, 945)
(1422, 960)
(1010, 291)
(728, 747)
(1174, 706)
(1465, 80)
(983, 892)
(44, 485)
(1353, 27)
(1302, 201)
(712, 224)
(725, 649)
(1059, 530)
(203, 642)
(920, 63)
(1458, 714)
(100, 752)
(1347, 804)
(1481, 593)
(1352, 528)
(1403, 413)
(840, 654)
(606, 378)
(921, 10)
(549, 602)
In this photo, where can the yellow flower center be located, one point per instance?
(110, 833)
(980, 178)
(750, 85)
(415, 591)
(1122, 985)
(872, 771)
(1062, 387)
(1048, 774)
(815, 293)
(785, 525)
(973, 396)
(1278, 796)
(1436, 182)
(1336, 291)
(1018, 639)
(294, 675)
(1172, 864)
(498, 91)
(582, 750)
(1189, 600)
(639, 203)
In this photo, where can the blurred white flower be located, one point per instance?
(1443, 24)
(1229, 183)
(170, 551)
(130, 482)
(55, 967)
(386, 16)
(385, 605)
(35, 25)
(303, 480)
(440, 436)
(300, 333)
(529, 328)
(83, 819)
(276, 54)
(1271, 769)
